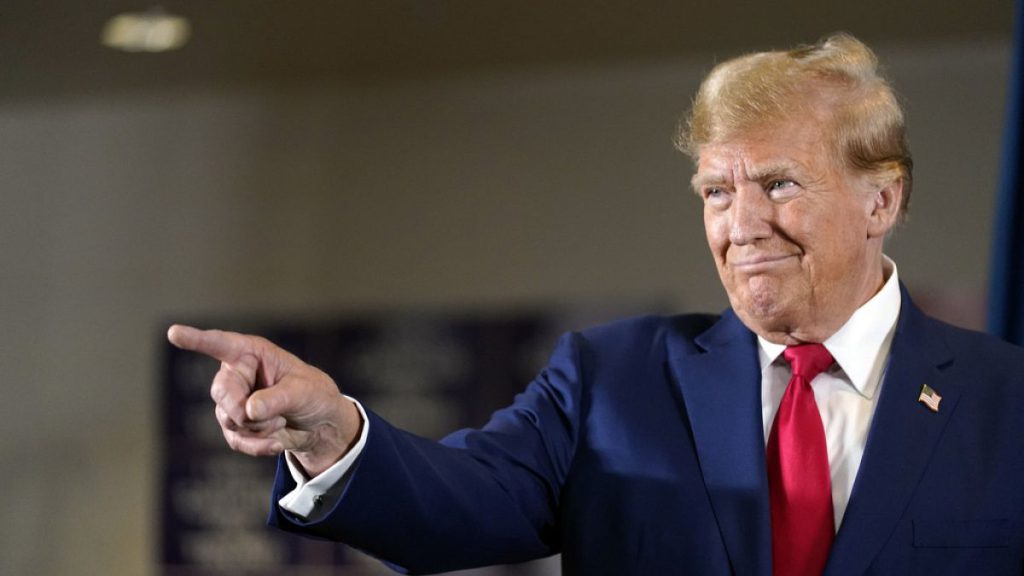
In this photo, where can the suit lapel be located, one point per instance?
(720, 386)
(902, 438)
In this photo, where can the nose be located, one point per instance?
(750, 215)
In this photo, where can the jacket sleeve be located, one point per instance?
(477, 497)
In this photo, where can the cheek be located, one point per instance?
(717, 232)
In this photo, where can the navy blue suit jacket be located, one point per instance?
(640, 450)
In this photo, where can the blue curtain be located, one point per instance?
(1006, 293)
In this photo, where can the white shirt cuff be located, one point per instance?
(312, 496)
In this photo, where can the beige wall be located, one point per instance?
(122, 213)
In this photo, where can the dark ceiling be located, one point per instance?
(50, 47)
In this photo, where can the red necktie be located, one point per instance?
(799, 481)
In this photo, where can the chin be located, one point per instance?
(764, 299)
(761, 321)
(764, 311)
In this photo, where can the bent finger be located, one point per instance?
(255, 429)
(230, 391)
(263, 428)
(253, 446)
(225, 421)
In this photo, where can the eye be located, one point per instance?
(715, 195)
(781, 188)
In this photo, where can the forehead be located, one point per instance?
(783, 147)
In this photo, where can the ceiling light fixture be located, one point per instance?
(152, 31)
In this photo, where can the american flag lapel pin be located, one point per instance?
(929, 398)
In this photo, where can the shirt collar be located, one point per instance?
(859, 345)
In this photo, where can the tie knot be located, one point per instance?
(808, 360)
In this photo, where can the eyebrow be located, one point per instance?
(758, 174)
(770, 171)
(700, 180)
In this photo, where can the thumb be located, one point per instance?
(268, 403)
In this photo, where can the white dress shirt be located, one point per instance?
(312, 498)
(846, 393)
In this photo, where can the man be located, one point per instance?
(822, 425)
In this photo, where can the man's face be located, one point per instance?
(794, 234)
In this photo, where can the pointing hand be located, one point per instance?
(267, 400)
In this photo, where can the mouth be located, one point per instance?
(761, 264)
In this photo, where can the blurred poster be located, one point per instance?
(428, 373)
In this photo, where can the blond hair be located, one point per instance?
(839, 76)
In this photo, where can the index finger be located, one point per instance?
(223, 346)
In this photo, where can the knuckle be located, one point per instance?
(262, 346)
(217, 391)
(232, 439)
(223, 419)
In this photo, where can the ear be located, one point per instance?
(885, 207)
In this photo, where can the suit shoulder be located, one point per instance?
(646, 330)
(981, 347)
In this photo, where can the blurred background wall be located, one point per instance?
(303, 158)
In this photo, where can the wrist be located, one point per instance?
(334, 439)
